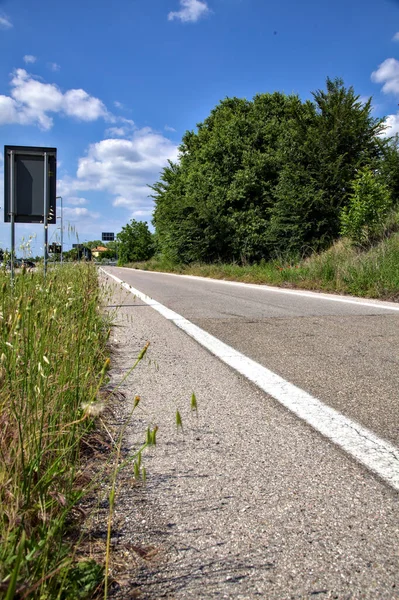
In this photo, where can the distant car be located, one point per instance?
(29, 264)
(17, 264)
(20, 262)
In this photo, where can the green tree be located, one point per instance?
(337, 137)
(369, 203)
(135, 242)
(69, 255)
(389, 167)
(268, 176)
(215, 203)
(94, 244)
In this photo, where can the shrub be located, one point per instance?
(363, 219)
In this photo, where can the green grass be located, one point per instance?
(53, 363)
(343, 268)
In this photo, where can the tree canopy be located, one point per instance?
(135, 242)
(268, 176)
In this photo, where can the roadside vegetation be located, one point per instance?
(276, 190)
(343, 268)
(53, 363)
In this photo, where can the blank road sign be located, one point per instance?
(24, 177)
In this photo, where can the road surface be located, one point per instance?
(259, 504)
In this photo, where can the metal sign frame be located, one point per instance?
(30, 182)
(21, 186)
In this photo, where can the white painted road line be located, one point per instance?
(380, 304)
(376, 454)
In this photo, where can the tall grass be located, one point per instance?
(52, 365)
(343, 268)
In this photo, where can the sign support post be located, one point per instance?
(62, 233)
(12, 213)
(45, 211)
(62, 229)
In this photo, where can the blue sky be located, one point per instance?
(114, 86)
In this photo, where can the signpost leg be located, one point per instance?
(12, 246)
(62, 232)
(12, 213)
(45, 211)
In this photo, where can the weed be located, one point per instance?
(52, 366)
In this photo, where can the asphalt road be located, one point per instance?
(251, 502)
(345, 354)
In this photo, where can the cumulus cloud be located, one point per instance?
(29, 59)
(142, 214)
(8, 110)
(396, 37)
(123, 168)
(5, 22)
(79, 214)
(388, 74)
(116, 131)
(392, 124)
(32, 102)
(76, 201)
(78, 103)
(190, 11)
(53, 66)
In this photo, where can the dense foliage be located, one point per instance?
(269, 176)
(364, 218)
(135, 242)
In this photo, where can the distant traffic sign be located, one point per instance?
(107, 237)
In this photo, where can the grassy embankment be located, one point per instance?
(52, 365)
(343, 268)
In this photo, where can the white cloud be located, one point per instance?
(116, 131)
(142, 213)
(8, 110)
(388, 74)
(79, 214)
(78, 103)
(168, 128)
(128, 122)
(123, 168)
(118, 104)
(190, 12)
(53, 66)
(31, 100)
(396, 37)
(29, 59)
(74, 201)
(392, 123)
(5, 22)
